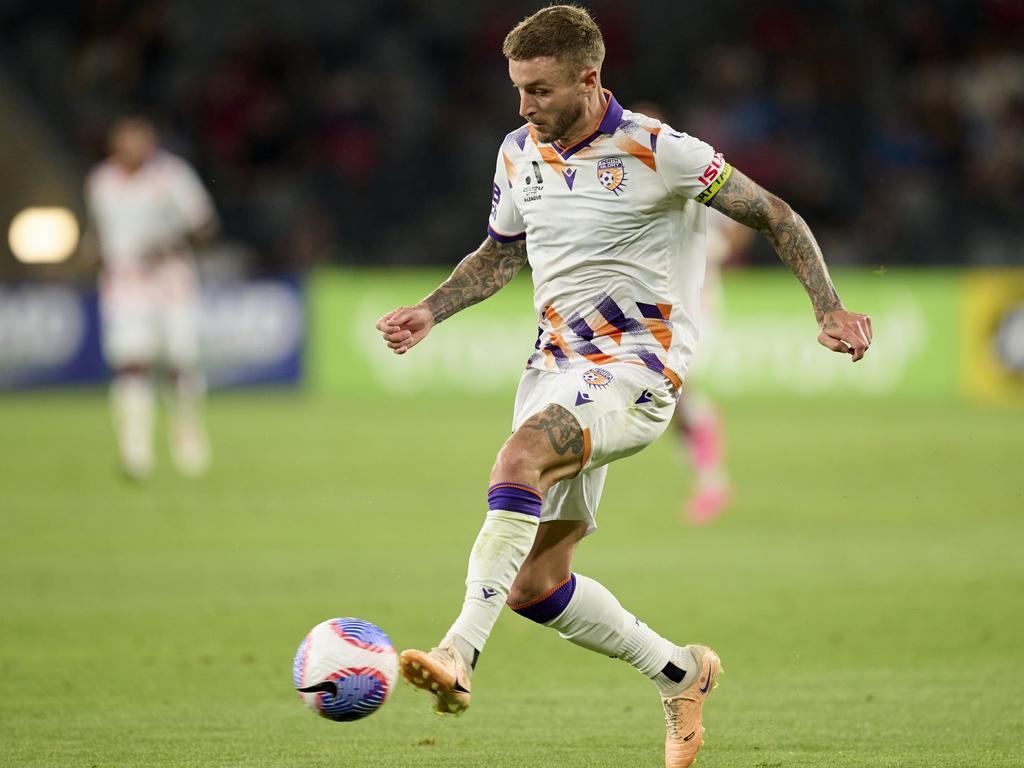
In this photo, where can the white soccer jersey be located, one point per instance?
(151, 209)
(615, 231)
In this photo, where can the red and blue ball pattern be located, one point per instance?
(349, 684)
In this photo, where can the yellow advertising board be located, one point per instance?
(993, 335)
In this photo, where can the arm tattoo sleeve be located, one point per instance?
(481, 274)
(561, 428)
(746, 202)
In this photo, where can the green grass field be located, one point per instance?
(866, 592)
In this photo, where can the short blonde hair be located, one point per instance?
(566, 32)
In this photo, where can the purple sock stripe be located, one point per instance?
(551, 605)
(520, 486)
(509, 497)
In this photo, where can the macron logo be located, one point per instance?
(489, 593)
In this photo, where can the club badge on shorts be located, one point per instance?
(612, 174)
(598, 378)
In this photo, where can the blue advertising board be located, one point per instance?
(253, 333)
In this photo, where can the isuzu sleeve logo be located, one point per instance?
(713, 177)
(713, 169)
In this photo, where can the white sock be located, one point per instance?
(190, 447)
(683, 660)
(464, 649)
(503, 543)
(189, 392)
(133, 400)
(594, 619)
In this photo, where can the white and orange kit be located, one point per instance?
(149, 289)
(615, 228)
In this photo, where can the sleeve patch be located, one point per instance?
(715, 175)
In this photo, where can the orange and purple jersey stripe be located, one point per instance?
(606, 335)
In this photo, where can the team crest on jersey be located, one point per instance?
(612, 174)
(598, 378)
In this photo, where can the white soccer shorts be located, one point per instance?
(622, 409)
(151, 317)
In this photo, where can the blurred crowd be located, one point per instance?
(365, 132)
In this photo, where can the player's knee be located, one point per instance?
(530, 585)
(541, 600)
(516, 463)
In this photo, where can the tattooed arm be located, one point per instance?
(746, 202)
(481, 274)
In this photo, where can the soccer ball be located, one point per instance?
(345, 669)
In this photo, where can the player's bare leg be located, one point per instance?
(700, 426)
(133, 403)
(190, 447)
(546, 448)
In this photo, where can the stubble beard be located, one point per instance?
(565, 122)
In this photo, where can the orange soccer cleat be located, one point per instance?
(440, 672)
(684, 734)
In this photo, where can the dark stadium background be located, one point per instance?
(364, 133)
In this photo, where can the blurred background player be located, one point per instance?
(697, 420)
(149, 209)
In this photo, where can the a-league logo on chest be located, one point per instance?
(534, 184)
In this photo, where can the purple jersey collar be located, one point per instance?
(609, 123)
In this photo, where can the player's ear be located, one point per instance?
(589, 78)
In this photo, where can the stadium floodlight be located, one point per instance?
(43, 235)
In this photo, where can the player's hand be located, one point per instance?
(847, 332)
(405, 327)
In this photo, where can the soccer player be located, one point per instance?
(148, 209)
(608, 207)
(697, 419)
